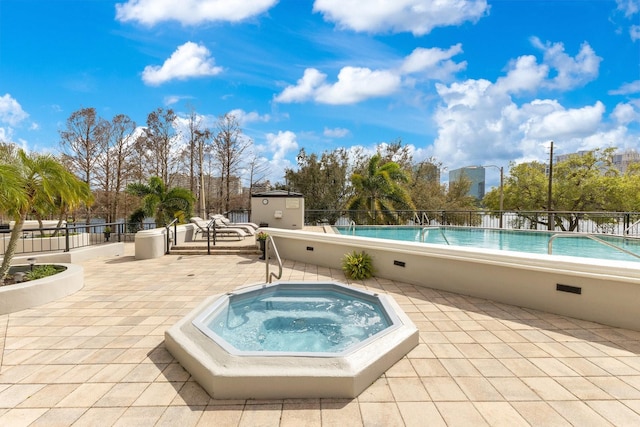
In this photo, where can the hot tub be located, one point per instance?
(291, 340)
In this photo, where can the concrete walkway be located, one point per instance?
(97, 358)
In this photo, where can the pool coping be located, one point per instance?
(202, 320)
(227, 376)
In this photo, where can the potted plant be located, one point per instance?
(107, 233)
(261, 237)
(357, 265)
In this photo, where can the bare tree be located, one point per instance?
(198, 138)
(161, 140)
(84, 142)
(258, 168)
(201, 144)
(121, 149)
(229, 145)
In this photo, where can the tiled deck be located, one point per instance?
(97, 358)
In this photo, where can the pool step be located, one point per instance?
(215, 250)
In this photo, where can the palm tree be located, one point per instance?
(163, 205)
(31, 183)
(380, 191)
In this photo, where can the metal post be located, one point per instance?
(66, 237)
(550, 220)
(501, 194)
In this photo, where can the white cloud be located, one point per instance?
(479, 122)
(627, 89)
(634, 32)
(625, 114)
(564, 123)
(335, 132)
(524, 75)
(474, 121)
(435, 62)
(6, 134)
(468, 93)
(244, 117)
(628, 7)
(305, 87)
(174, 99)
(11, 111)
(416, 16)
(190, 12)
(356, 84)
(570, 72)
(281, 144)
(188, 61)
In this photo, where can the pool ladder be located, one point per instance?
(588, 236)
(267, 244)
(433, 227)
(352, 228)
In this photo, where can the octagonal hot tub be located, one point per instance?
(291, 340)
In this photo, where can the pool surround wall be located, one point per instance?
(610, 290)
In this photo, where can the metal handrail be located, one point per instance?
(588, 236)
(433, 227)
(267, 243)
(211, 226)
(423, 220)
(626, 230)
(352, 227)
(168, 228)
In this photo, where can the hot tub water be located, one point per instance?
(298, 321)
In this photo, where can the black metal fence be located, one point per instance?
(63, 239)
(71, 236)
(619, 223)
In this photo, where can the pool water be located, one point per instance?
(507, 240)
(298, 320)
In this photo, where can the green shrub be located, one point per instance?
(357, 265)
(40, 271)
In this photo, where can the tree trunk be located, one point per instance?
(11, 248)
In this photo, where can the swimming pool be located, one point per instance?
(507, 240)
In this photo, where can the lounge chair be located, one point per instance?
(248, 227)
(201, 227)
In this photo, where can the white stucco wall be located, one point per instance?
(610, 290)
(279, 212)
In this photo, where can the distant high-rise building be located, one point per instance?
(475, 174)
(621, 160)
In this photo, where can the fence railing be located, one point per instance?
(71, 236)
(618, 223)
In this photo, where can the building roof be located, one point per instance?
(277, 193)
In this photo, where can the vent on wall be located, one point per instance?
(568, 288)
(399, 263)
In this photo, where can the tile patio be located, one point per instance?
(97, 358)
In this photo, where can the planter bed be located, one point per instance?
(21, 296)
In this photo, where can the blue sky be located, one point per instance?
(466, 82)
